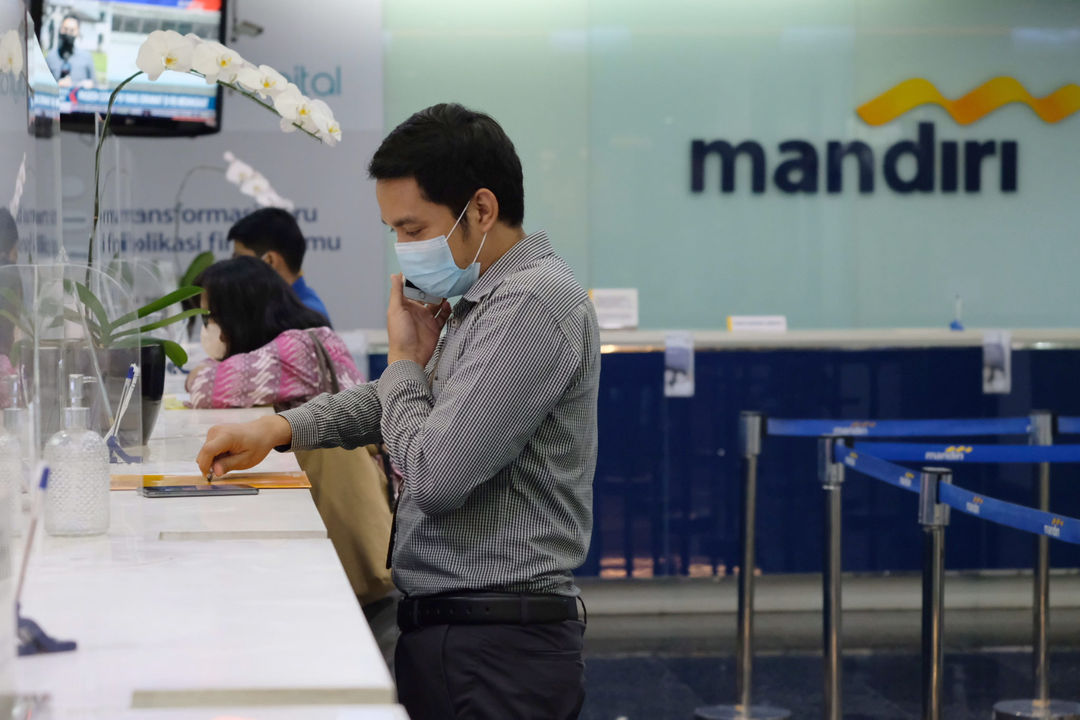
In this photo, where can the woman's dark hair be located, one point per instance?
(452, 152)
(252, 304)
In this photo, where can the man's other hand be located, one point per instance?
(241, 446)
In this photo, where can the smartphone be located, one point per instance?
(414, 293)
(162, 491)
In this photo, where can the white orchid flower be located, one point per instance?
(331, 134)
(165, 50)
(272, 199)
(327, 127)
(295, 107)
(11, 55)
(253, 183)
(216, 62)
(237, 171)
(264, 80)
(255, 186)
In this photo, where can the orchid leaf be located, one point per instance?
(17, 322)
(173, 351)
(162, 323)
(178, 295)
(90, 300)
(202, 261)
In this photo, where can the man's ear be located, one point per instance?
(273, 259)
(485, 210)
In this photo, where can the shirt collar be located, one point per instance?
(299, 283)
(524, 251)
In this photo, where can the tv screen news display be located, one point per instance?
(90, 47)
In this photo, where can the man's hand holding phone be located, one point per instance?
(413, 327)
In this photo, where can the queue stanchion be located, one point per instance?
(751, 433)
(1041, 706)
(831, 474)
(934, 517)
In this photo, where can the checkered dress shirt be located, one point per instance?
(496, 438)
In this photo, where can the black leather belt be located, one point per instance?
(485, 609)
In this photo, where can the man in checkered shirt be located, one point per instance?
(492, 424)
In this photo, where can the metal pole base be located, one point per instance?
(741, 712)
(1042, 709)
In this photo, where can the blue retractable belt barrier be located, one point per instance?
(899, 428)
(1058, 527)
(918, 452)
(877, 468)
(1068, 425)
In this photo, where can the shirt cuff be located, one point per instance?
(305, 429)
(397, 374)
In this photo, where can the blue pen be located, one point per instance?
(125, 398)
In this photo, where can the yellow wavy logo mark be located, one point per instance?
(965, 110)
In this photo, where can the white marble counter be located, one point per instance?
(183, 624)
(199, 603)
(272, 514)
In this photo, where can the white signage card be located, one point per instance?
(997, 362)
(679, 364)
(616, 308)
(757, 323)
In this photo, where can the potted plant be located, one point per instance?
(127, 332)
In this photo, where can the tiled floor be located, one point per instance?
(879, 685)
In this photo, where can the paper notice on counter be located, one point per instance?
(616, 308)
(757, 323)
(997, 362)
(679, 364)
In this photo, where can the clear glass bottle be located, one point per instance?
(77, 498)
(12, 479)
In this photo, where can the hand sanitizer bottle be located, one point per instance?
(12, 479)
(77, 499)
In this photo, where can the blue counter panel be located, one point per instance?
(668, 488)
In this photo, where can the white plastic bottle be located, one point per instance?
(77, 498)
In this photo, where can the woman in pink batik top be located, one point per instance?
(265, 346)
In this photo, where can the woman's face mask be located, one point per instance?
(212, 340)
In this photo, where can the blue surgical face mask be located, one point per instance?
(430, 265)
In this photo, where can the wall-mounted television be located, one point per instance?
(90, 47)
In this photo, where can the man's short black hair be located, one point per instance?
(274, 229)
(452, 152)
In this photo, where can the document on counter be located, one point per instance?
(261, 480)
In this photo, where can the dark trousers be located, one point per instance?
(492, 672)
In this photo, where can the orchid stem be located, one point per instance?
(97, 170)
